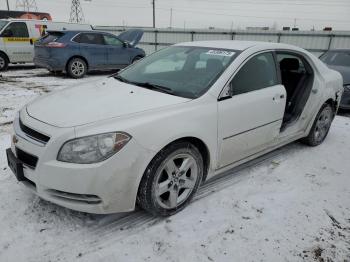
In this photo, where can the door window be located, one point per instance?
(16, 29)
(258, 73)
(111, 40)
(90, 38)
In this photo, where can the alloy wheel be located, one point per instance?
(176, 180)
(77, 68)
(323, 124)
(2, 62)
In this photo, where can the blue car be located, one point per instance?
(78, 52)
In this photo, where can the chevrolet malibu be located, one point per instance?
(152, 134)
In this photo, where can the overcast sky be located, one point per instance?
(205, 13)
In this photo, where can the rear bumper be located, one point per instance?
(50, 64)
(345, 100)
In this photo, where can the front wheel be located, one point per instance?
(320, 127)
(4, 63)
(171, 179)
(137, 58)
(76, 68)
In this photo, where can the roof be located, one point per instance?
(236, 44)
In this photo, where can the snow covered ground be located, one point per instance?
(291, 205)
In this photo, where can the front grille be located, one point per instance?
(27, 159)
(34, 134)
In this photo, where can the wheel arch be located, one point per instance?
(199, 144)
(6, 56)
(333, 103)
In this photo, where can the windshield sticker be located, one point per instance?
(220, 53)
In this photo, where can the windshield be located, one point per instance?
(183, 71)
(2, 24)
(337, 58)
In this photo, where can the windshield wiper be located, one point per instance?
(154, 87)
(121, 79)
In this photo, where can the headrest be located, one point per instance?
(214, 65)
(289, 64)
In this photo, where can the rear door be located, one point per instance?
(118, 53)
(251, 116)
(93, 49)
(18, 43)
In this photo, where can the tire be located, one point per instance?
(320, 127)
(137, 58)
(4, 62)
(171, 179)
(77, 68)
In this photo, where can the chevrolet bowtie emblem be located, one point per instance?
(14, 139)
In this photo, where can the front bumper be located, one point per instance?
(107, 187)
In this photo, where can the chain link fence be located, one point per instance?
(316, 42)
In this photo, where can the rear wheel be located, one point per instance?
(171, 179)
(320, 127)
(77, 68)
(4, 63)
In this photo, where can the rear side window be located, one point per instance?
(89, 38)
(16, 29)
(258, 73)
(51, 37)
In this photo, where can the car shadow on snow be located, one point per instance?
(133, 220)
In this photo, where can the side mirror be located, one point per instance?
(126, 44)
(226, 93)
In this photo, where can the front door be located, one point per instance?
(93, 49)
(18, 44)
(118, 53)
(251, 118)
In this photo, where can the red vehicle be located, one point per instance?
(4, 14)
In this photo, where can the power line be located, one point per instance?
(258, 17)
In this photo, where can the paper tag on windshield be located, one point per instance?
(220, 53)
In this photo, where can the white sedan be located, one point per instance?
(152, 134)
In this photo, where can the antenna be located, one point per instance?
(76, 12)
(26, 5)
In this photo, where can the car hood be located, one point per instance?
(132, 36)
(97, 101)
(344, 71)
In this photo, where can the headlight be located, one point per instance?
(92, 149)
(347, 88)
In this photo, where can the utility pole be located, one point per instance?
(295, 22)
(76, 12)
(8, 6)
(171, 18)
(154, 13)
